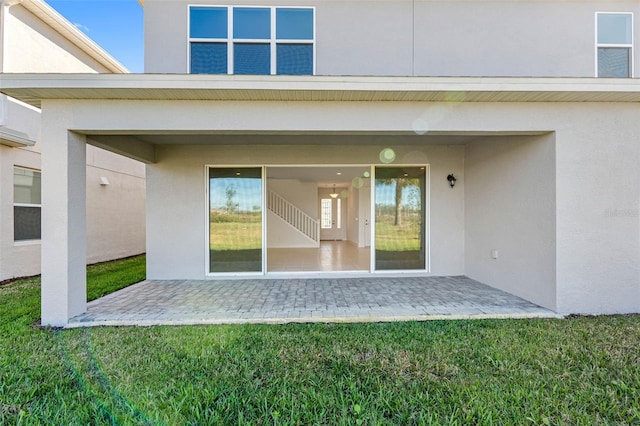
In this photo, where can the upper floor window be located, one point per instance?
(251, 40)
(26, 204)
(614, 44)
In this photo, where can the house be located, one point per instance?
(498, 140)
(35, 38)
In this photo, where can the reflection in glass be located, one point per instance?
(294, 24)
(208, 58)
(252, 58)
(208, 22)
(400, 198)
(235, 219)
(251, 23)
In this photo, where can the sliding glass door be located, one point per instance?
(235, 219)
(400, 218)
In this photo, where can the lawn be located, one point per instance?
(574, 371)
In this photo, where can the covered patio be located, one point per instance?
(525, 216)
(278, 301)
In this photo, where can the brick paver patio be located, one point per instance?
(304, 300)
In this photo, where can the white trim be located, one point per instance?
(372, 224)
(11, 137)
(33, 88)
(230, 41)
(616, 45)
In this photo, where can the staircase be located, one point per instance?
(295, 217)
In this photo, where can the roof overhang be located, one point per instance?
(34, 88)
(14, 138)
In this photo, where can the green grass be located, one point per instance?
(235, 235)
(390, 237)
(583, 370)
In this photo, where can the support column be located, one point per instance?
(64, 280)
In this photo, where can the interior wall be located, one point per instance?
(302, 195)
(510, 216)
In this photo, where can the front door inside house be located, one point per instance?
(331, 215)
(285, 219)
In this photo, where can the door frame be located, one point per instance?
(372, 221)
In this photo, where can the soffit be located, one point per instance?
(33, 88)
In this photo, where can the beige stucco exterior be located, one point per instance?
(552, 186)
(501, 94)
(34, 38)
(435, 38)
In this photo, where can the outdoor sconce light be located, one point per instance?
(452, 180)
(104, 181)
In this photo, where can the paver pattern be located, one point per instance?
(185, 302)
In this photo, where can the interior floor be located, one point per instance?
(330, 256)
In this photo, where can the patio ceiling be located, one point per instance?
(33, 88)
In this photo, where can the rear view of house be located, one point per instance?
(497, 140)
(36, 39)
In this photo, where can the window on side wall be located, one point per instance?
(251, 40)
(614, 44)
(26, 204)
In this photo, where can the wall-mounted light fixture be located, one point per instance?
(334, 194)
(452, 180)
(104, 181)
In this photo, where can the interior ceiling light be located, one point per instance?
(334, 194)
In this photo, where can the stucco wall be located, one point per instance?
(33, 46)
(597, 179)
(510, 192)
(421, 37)
(16, 258)
(115, 213)
(176, 188)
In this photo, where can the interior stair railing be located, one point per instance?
(295, 217)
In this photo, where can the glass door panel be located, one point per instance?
(330, 219)
(400, 217)
(235, 219)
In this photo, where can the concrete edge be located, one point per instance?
(338, 320)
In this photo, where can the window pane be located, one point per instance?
(251, 23)
(26, 186)
(325, 213)
(294, 24)
(294, 59)
(614, 28)
(400, 218)
(208, 22)
(208, 58)
(235, 219)
(251, 58)
(26, 223)
(614, 62)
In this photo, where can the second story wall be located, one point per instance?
(534, 38)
